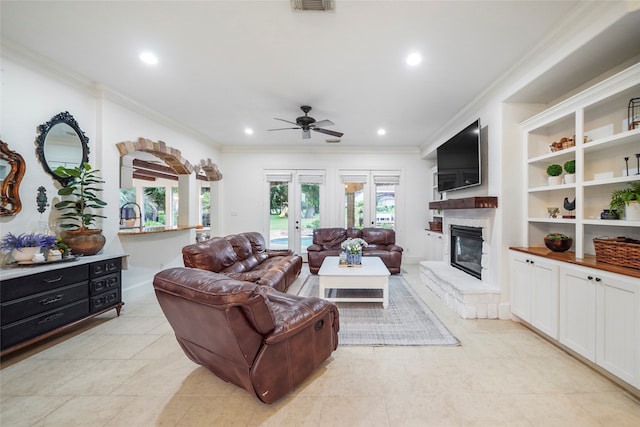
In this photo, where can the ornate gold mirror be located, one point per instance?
(61, 142)
(12, 167)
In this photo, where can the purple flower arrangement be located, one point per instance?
(10, 241)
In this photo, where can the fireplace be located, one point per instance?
(466, 249)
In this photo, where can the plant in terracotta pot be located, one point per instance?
(627, 200)
(554, 171)
(570, 169)
(558, 242)
(80, 198)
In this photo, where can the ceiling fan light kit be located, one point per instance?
(308, 124)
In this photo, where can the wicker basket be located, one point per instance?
(620, 251)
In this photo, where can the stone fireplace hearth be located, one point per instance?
(469, 296)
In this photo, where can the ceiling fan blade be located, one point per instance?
(287, 121)
(283, 129)
(323, 123)
(329, 132)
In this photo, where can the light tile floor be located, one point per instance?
(129, 371)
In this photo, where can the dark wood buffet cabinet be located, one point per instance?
(39, 301)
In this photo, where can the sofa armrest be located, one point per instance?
(278, 252)
(314, 248)
(394, 248)
(293, 314)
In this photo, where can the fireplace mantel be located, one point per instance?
(466, 203)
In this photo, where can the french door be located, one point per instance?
(295, 206)
(369, 198)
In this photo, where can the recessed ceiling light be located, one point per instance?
(149, 58)
(248, 131)
(414, 59)
(381, 132)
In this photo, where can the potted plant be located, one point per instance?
(80, 198)
(25, 246)
(554, 171)
(570, 169)
(558, 242)
(627, 200)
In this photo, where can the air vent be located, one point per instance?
(315, 5)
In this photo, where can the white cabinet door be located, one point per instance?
(544, 301)
(578, 311)
(618, 327)
(534, 291)
(521, 285)
(434, 250)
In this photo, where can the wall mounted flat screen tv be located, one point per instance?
(459, 159)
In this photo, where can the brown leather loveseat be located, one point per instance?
(255, 337)
(381, 243)
(245, 257)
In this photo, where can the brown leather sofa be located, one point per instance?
(255, 337)
(381, 243)
(245, 257)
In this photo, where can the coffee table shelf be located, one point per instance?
(372, 275)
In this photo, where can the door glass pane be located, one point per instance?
(309, 213)
(385, 206)
(278, 215)
(154, 207)
(205, 206)
(354, 204)
(175, 204)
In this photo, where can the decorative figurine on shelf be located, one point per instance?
(626, 161)
(553, 212)
(637, 164)
(634, 113)
(570, 206)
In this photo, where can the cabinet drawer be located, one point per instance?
(34, 304)
(33, 326)
(105, 267)
(104, 283)
(42, 282)
(105, 300)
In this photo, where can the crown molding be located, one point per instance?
(42, 65)
(288, 149)
(593, 18)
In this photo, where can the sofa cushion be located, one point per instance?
(379, 236)
(329, 238)
(214, 254)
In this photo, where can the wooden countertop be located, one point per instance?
(570, 257)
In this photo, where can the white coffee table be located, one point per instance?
(372, 275)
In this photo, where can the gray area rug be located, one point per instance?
(408, 321)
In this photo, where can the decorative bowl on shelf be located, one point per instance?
(435, 225)
(558, 242)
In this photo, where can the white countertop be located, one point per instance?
(13, 271)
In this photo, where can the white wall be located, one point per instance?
(30, 98)
(243, 203)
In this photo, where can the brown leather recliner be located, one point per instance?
(381, 243)
(245, 256)
(255, 337)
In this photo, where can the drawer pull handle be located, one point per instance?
(47, 301)
(51, 318)
(57, 279)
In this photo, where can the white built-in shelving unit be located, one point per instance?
(597, 120)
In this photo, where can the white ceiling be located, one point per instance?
(227, 65)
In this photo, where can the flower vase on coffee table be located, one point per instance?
(354, 258)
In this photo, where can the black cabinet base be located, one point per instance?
(117, 307)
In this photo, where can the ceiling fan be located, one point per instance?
(308, 124)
